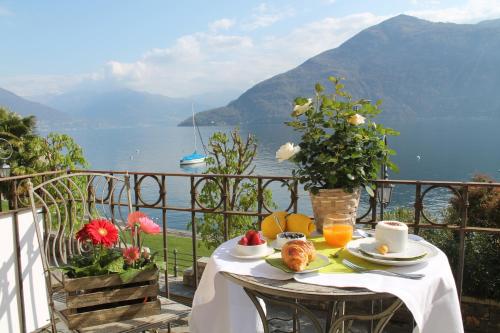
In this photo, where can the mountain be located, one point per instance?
(418, 68)
(24, 107)
(121, 107)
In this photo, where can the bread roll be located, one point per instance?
(297, 254)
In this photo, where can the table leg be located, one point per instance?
(330, 318)
(292, 304)
(383, 318)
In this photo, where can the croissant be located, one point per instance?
(297, 254)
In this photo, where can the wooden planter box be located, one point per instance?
(97, 300)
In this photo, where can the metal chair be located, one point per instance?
(62, 205)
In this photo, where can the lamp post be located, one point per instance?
(4, 170)
(5, 153)
(384, 191)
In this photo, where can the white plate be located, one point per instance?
(256, 256)
(413, 251)
(319, 257)
(353, 248)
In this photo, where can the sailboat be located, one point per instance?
(195, 157)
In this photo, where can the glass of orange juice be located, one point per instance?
(337, 230)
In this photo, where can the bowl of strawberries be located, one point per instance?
(252, 244)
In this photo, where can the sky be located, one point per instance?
(185, 48)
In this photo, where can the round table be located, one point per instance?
(290, 293)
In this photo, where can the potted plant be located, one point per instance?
(341, 150)
(105, 283)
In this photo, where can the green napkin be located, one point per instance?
(278, 263)
(335, 265)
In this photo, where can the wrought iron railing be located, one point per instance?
(159, 200)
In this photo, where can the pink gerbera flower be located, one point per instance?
(133, 219)
(148, 226)
(131, 254)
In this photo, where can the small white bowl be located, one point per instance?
(282, 238)
(252, 250)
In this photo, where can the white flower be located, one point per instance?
(286, 151)
(300, 109)
(356, 119)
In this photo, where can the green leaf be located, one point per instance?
(115, 266)
(369, 190)
(319, 88)
(129, 274)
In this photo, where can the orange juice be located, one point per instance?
(337, 235)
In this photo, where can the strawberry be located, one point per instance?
(254, 239)
(250, 233)
(243, 241)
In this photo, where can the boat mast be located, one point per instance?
(194, 126)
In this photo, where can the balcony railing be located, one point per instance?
(156, 197)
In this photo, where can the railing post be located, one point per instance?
(163, 193)
(461, 253)
(17, 251)
(225, 196)
(175, 262)
(295, 197)
(418, 206)
(193, 231)
(260, 201)
(137, 190)
(373, 207)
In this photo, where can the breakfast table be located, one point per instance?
(231, 291)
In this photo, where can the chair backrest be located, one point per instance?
(66, 202)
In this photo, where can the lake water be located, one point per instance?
(449, 150)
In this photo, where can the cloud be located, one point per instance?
(197, 63)
(471, 12)
(33, 85)
(318, 36)
(265, 16)
(230, 55)
(222, 24)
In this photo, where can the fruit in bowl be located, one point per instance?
(251, 244)
(285, 237)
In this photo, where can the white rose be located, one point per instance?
(300, 109)
(286, 151)
(356, 119)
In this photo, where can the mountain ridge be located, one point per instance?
(419, 69)
(25, 107)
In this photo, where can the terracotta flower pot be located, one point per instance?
(336, 202)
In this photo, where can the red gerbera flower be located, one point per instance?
(103, 232)
(131, 254)
(83, 235)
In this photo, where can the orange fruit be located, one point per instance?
(269, 226)
(300, 223)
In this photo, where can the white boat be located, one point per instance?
(195, 157)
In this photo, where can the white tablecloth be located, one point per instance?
(220, 306)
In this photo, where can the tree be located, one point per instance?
(15, 129)
(14, 126)
(229, 155)
(54, 152)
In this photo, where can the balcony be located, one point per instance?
(169, 196)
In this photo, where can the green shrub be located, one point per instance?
(482, 250)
